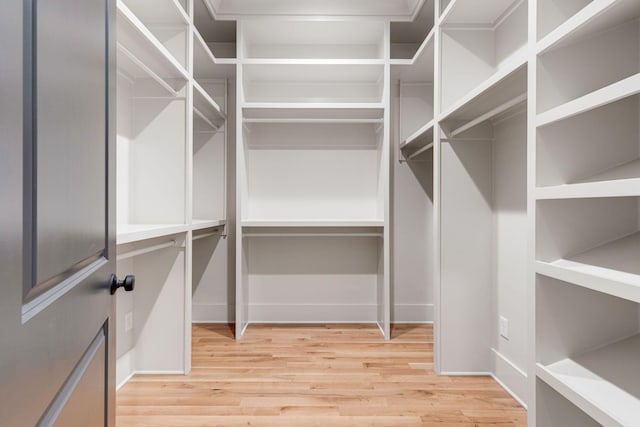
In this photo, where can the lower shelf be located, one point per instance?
(604, 383)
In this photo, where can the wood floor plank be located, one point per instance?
(314, 375)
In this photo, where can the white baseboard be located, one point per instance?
(466, 374)
(412, 313)
(212, 313)
(125, 368)
(510, 377)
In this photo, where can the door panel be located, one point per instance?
(69, 140)
(57, 156)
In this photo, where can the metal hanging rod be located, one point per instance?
(204, 118)
(420, 151)
(492, 113)
(147, 70)
(205, 235)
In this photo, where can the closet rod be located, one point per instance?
(146, 250)
(420, 151)
(313, 235)
(205, 235)
(204, 118)
(147, 70)
(492, 113)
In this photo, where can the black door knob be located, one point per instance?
(128, 283)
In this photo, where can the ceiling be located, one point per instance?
(394, 10)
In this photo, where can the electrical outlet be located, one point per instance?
(128, 321)
(504, 327)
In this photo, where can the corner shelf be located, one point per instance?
(593, 18)
(420, 67)
(604, 382)
(487, 12)
(128, 233)
(206, 65)
(607, 95)
(163, 12)
(612, 268)
(419, 142)
(141, 44)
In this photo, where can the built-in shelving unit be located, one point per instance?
(587, 192)
(171, 179)
(312, 172)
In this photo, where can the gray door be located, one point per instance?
(57, 205)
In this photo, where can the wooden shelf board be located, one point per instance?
(606, 95)
(141, 43)
(597, 16)
(620, 181)
(486, 12)
(128, 233)
(505, 84)
(612, 268)
(604, 383)
(200, 224)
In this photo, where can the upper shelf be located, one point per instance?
(163, 12)
(612, 268)
(354, 83)
(300, 112)
(419, 142)
(313, 223)
(604, 383)
(606, 95)
(619, 181)
(502, 92)
(313, 39)
(418, 69)
(485, 13)
(128, 233)
(142, 55)
(206, 65)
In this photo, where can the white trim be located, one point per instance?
(510, 376)
(508, 390)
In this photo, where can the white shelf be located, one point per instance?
(486, 12)
(604, 383)
(143, 45)
(421, 67)
(317, 111)
(593, 18)
(163, 12)
(607, 95)
(200, 224)
(620, 181)
(313, 223)
(612, 268)
(505, 84)
(206, 65)
(419, 142)
(206, 108)
(128, 233)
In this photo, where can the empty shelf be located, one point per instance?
(486, 12)
(612, 268)
(128, 233)
(418, 69)
(604, 383)
(205, 63)
(419, 142)
(163, 12)
(313, 223)
(608, 94)
(305, 110)
(206, 108)
(142, 45)
(500, 95)
(200, 224)
(619, 181)
(596, 16)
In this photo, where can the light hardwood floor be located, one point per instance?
(328, 375)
